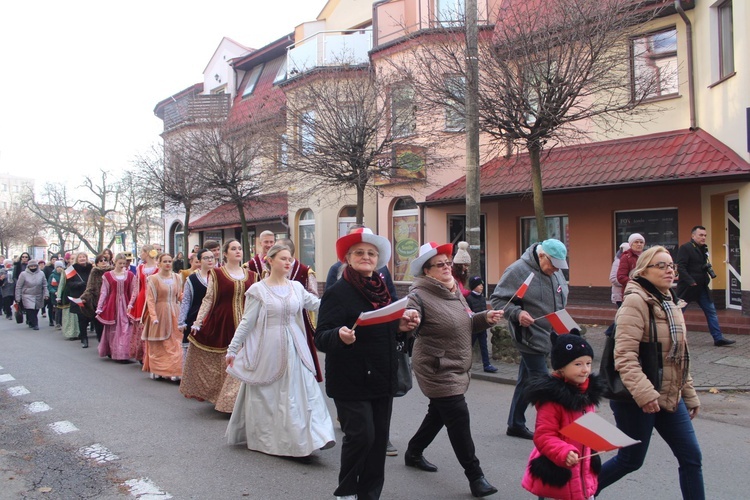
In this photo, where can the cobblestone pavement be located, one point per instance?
(723, 368)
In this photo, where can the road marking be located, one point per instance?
(18, 390)
(6, 377)
(144, 489)
(63, 427)
(98, 453)
(38, 407)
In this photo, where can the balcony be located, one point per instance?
(328, 49)
(194, 109)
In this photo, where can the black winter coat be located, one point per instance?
(477, 303)
(76, 285)
(691, 259)
(365, 369)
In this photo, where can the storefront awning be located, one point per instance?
(269, 207)
(681, 155)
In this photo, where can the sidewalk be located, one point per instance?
(724, 368)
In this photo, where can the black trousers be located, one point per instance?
(365, 425)
(453, 413)
(7, 305)
(83, 326)
(32, 317)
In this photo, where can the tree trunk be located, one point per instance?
(360, 205)
(186, 236)
(536, 180)
(245, 238)
(473, 193)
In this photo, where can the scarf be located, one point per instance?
(372, 288)
(678, 353)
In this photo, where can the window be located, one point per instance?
(455, 87)
(306, 132)
(403, 111)
(281, 73)
(654, 59)
(307, 238)
(557, 227)
(347, 217)
(405, 220)
(282, 158)
(450, 12)
(658, 226)
(252, 80)
(726, 39)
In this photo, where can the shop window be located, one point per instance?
(557, 228)
(654, 63)
(658, 226)
(405, 220)
(306, 232)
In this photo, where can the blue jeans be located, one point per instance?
(530, 364)
(709, 309)
(677, 431)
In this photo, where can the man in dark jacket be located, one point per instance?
(694, 266)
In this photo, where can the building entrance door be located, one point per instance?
(734, 283)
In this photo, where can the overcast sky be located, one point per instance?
(79, 79)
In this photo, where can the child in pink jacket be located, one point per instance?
(559, 468)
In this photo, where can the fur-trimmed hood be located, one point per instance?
(549, 388)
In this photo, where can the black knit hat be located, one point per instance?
(568, 347)
(475, 282)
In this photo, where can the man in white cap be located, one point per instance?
(547, 293)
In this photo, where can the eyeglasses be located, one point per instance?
(207, 257)
(661, 266)
(369, 253)
(441, 265)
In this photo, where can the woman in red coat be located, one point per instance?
(629, 258)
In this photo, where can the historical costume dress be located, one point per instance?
(192, 298)
(163, 351)
(68, 320)
(135, 307)
(73, 284)
(204, 374)
(112, 312)
(280, 409)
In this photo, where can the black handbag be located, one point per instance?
(403, 371)
(649, 356)
(18, 313)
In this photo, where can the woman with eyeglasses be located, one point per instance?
(31, 292)
(361, 361)
(204, 376)
(441, 360)
(670, 409)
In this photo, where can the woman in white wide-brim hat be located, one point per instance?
(361, 366)
(441, 360)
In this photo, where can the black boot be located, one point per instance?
(481, 488)
(84, 341)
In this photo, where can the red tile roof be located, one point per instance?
(266, 101)
(679, 155)
(267, 207)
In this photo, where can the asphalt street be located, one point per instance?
(133, 437)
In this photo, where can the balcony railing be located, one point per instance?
(193, 109)
(325, 49)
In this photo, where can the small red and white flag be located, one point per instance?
(561, 322)
(386, 314)
(593, 431)
(70, 272)
(75, 300)
(53, 282)
(524, 286)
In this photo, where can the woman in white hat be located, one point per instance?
(629, 257)
(441, 360)
(361, 364)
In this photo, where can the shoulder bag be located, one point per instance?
(649, 356)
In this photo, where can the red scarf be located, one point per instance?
(372, 288)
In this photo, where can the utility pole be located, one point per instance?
(473, 197)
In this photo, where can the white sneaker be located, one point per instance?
(174, 379)
(348, 497)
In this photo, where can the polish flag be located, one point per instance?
(70, 272)
(386, 314)
(75, 300)
(561, 322)
(53, 282)
(593, 431)
(524, 286)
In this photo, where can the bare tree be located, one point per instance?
(168, 179)
(135, 206)
(105, 196)
(16, 227)
(346, 130)
(57, 210)
(549, 73)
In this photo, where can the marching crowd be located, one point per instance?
(244, 337)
